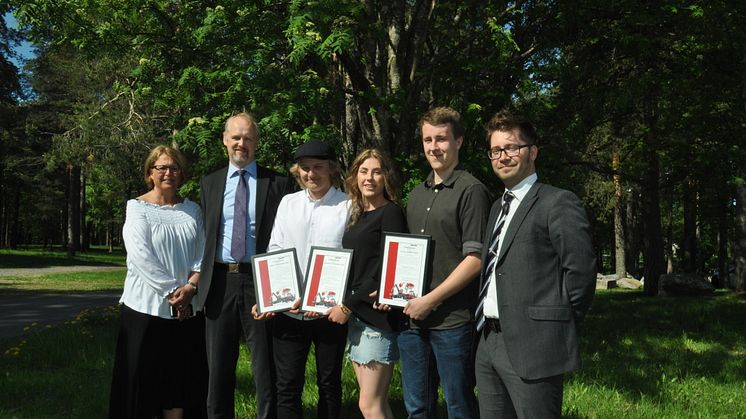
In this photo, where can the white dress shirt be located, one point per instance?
(164, 245)
(519, 191)
(302, 222)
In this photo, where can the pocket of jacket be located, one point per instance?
(556, 313)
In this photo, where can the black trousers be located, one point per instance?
(292, 340)
(227, 323)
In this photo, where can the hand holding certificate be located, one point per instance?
(276, 280)
(404, 259)
(326, 278)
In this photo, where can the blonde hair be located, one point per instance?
(390, 181)
(155, 154)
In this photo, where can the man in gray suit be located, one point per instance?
(537, 281)
(239, 203)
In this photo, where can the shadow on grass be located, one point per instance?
(638, 344)
(44, 258)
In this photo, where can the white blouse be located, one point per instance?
(164, 245)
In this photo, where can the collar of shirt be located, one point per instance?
(521, 189)
(448, 182)
(250, 169)
(327, 196)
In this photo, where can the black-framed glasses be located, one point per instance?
(163, 169)
(510, 150)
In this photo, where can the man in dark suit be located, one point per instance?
(537, 281)
(238, 202)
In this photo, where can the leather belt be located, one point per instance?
(492, 325)
(235, 268)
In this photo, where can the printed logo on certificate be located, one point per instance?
(276, 280)
(326, 278)
(403, 268)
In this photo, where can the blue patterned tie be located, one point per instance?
(492, 258)
(238, 240)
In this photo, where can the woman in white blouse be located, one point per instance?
(160, 363)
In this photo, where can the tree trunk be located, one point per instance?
(620, 256)
(633, 232)
(73, 210)
(689, 240)
(721, 279)
(84, 233)
(653, 237)
(740, 246)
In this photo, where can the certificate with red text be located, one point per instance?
(326, 278)
(404, 264)
(276, 280)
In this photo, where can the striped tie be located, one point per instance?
(492, 258)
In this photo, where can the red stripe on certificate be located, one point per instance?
(264, 277)
(391, 269)
(315, 279)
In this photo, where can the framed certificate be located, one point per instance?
(404, 264)
(326, 278)
(276, 280)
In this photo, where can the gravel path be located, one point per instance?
(20, 308)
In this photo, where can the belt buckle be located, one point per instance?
(234, 268)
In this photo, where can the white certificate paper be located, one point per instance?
(326, 278)
(403, 269)
(276, 280)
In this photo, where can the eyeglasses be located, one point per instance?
(163, 169)
(510, 150)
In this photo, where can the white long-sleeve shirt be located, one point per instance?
(302, 222)
(164, 245)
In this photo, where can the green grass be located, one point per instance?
(109, 280)
(643, 358)
(35, 257)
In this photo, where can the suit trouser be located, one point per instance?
(224, 332)
(292, 340)
(504, 394)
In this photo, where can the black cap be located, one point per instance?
(316, 149)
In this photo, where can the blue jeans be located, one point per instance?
(427, 355)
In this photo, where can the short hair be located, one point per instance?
(444, 115)
(507, 121)
(390, 181)
(245, 115)
(155, 154)
(335, 172)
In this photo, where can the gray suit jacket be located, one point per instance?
(546, 278)
(271, 187)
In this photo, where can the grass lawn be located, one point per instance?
(643, 358)
(36, 257)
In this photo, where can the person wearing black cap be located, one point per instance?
(314, 216)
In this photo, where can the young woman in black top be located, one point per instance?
(372, 333)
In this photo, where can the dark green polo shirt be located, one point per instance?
(454, 213)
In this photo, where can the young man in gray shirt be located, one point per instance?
(451, 207)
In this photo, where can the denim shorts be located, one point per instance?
(368, 344)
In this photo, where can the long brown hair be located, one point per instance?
(390, 181)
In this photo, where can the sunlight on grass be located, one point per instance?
(684, 358)
(107, 280)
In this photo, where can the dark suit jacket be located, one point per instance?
(271, 187)
(546, 278)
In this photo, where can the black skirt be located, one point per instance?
(159, 364)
